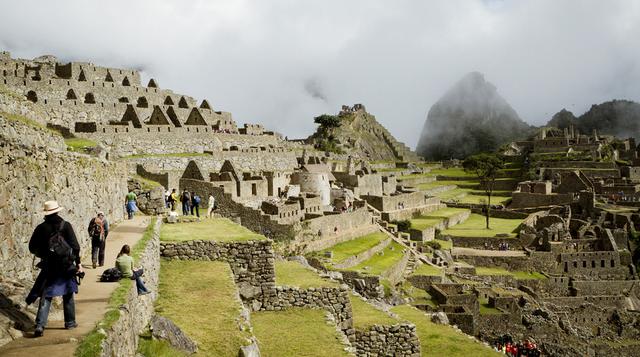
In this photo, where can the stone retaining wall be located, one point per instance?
(252, 264)
(396, 273)
(428, 233)
(394, 340)
(122, 338)
(479, 242)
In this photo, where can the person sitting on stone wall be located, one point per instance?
(212, 205)
(185, 198)
(195, 205)
(131, 204)
(98, 231)
(124, 263)
(55, 243)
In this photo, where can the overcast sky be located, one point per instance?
(281, 63)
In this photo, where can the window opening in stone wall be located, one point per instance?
(142, 103)
(89, 98)
(613, 263)
(32, 96)
(602, 263)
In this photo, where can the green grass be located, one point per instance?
(216, 229)
(381, 261)
(344, 250)
(291, 273)
(442, 340)
(295, 332)
(485, 309)
(432, 218)
(452, 172)
(365, 315)
(475, 227)
(150, 347)
(147, 184)
(524, 275)
(201, 298)
(176, 154)
(444, 244)
(462, 184)
(89, 346)
(79, 144)
(426, 269)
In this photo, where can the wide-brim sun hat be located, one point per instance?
(51, 207)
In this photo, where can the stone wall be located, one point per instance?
(428, 233)
(34, 168)
(526, 199)
(395, 274)
(366, 285)
(252, 264)
(359, 258)
(329, 230)
(394, 340)
(605, 287)
(122, 338)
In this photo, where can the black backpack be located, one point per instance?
(111, 275)
(94, 229)
(60, 255)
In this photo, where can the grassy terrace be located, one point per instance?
(293, 333)
(475, 227)
(426, 269)
(210, 315)
(217, 229)
(485, 309)
(523, 275)
(79, 144)
(432, 218)
(382, 261)
(344, 250)
(365, 315)
(291, 273)
(441, 340)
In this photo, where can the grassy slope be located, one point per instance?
(295, 332)
(218, 229)
(344, 250)
(291, 273)
(441, 340)
(426, 269)
(365, 315)
(79, 144)
(382, 261)
(433, 218)
(475, 227)
(210, 315)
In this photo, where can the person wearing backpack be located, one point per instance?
(185, 198)
(195, 204)
(55, 243)
(98, 231)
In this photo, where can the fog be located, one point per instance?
(281, 63)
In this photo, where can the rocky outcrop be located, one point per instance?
(617, 117)
(471, 117)
(163, 328)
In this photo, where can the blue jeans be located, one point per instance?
(185, 208)
(137, 275)
(68, 306)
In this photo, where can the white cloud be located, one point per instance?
(258, 58)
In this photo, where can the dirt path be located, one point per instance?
(91, 302)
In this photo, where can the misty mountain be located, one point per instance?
(617, 117)
(471, 117)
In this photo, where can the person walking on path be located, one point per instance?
(98, 231)
(212, 204)
(55, 243)
(186, 202)
(195, 204)
(132, 205)
(173, 198)
(124, 263)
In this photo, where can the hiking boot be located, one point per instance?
(144, 293)
(94, 265)
(71, 326)
(39, 331)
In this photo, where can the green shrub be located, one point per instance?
(433, 244)
(403, 225)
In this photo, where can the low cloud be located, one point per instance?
(282, 62)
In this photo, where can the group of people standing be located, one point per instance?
(54, 241)
(190, 202)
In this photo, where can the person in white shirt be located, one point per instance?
(212, 203)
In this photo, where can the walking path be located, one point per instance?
(91, 301)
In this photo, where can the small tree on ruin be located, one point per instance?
(486, 166)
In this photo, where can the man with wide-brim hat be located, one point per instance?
(55, 243)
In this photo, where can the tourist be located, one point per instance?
(130, 202)
(173, 198)
(98, 231)
(124, 263)
(212, 205)
(185, 198)
(55, 243)
(195, 204)
(167, 197)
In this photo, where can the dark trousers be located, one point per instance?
(196, 209)
(68, 306)
(173, 205)
(185, 208)
(137, 276)
(97, 250)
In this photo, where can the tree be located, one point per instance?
(486, 166)
(327, 121)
